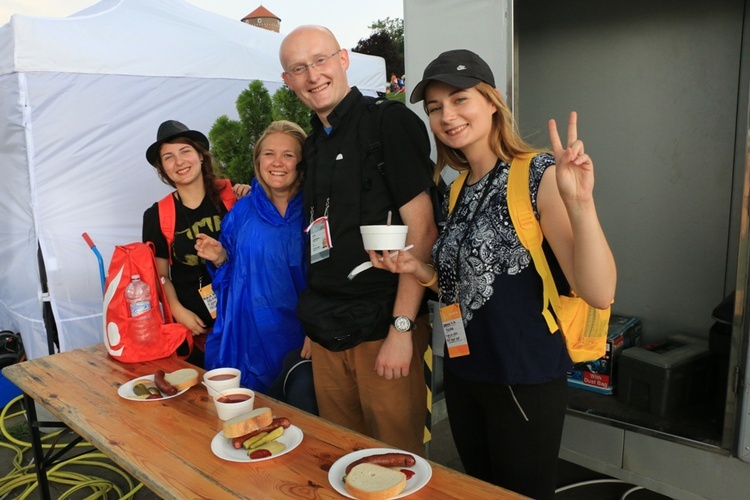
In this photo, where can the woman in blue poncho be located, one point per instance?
(258, 266)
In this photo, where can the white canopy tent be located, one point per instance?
(80, 101)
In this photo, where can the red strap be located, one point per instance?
(227, 194)
(167, 216)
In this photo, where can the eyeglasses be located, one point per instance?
(317, 63)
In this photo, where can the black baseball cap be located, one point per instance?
(461, 68)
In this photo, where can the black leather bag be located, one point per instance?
(339, 324)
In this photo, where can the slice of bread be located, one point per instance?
(374, 482)
(248, 422)
(182, 379)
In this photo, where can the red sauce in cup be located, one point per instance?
(225, 376)
(233, 398)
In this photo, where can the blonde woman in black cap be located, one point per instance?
(200, 200)
(506, 391)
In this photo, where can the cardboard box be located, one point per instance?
(599, 375)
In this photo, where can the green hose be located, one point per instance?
(21, 480)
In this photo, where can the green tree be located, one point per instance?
(232, 141)
(394, 28)
(386, 41)
(287, 106)
(230, 149)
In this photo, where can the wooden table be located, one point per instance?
(166, 444)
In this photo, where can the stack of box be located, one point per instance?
(599, 375)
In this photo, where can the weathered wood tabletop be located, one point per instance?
(167, 444)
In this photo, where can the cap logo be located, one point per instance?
(460, 67)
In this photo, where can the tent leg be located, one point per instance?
(53, 341)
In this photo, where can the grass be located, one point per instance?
(396, 96)
(21, 431)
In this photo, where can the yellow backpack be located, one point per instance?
(584, 327)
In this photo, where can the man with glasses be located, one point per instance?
(367, 352)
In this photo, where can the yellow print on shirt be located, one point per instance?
(207, 224)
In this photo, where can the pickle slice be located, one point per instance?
(276, 433)
(140, 390)
(250, 441)
(275, 447)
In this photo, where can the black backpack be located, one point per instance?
(370, 135)
(11, 348)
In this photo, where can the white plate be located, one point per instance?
(422, 470)
(126, 390)
(222, 447)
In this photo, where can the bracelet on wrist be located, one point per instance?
(432, 281)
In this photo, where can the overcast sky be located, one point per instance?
(348, 19)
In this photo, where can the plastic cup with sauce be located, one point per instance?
(233, 402)
(222, 378)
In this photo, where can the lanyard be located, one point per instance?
(314, 165)
(485, 192)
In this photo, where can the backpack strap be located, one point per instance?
(228, 198)
(168, 211)
(371, 137)
(372, 134)
(375, 111)
(167, 218)
(530, 232)
(458, 183)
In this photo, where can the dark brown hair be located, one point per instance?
(207, 169)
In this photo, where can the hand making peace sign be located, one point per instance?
(575, 170)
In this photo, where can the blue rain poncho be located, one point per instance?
(257, 289)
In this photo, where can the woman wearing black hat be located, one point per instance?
(182, 160)
(506, 398)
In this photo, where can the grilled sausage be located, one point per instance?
(277, 422)
(386, 460)
(161, 383)
(260, 454)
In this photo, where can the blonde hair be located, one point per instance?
(505, 141)
(280, 127)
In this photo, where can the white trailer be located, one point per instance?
(661, 90)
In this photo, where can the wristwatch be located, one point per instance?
(402, 323)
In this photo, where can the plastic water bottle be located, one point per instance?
(144, 327)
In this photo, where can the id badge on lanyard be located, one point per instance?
(453, 327)
(209, 298)
(320, 239)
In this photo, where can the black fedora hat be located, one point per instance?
(461, 68)
(172, 129)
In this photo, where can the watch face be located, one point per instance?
(402, 323)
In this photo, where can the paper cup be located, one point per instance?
(233, 402)
(222, 378)
(384, 237)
